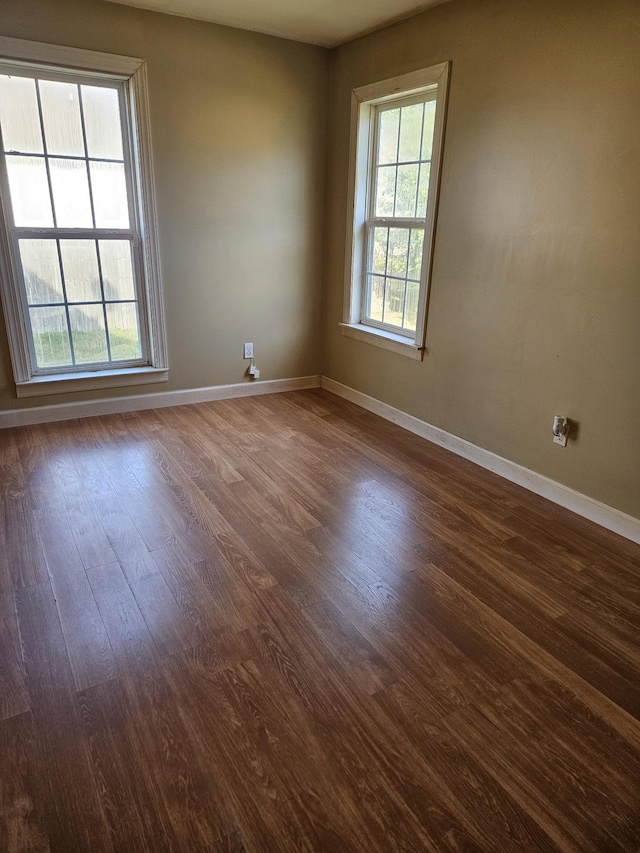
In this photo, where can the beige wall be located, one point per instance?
(535, 298)
(238, 130)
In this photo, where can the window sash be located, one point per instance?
(374, 132)
(372, 221)
(132, 235)
(137, 261)
(409, 225)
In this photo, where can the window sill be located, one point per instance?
(66, 383)
(383, 339)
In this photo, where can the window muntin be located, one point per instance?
(72, 220)
(401, 145)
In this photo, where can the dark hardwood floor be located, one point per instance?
(281, 623)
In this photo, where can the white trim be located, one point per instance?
(11, 302)
(383, 339)
(143, 158)
(140, 402)
(48, 383)
(589, 508)
(68, 57)
(402, 84)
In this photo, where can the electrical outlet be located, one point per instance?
(560, 430)
(248, 350)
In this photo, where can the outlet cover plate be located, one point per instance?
(248, 350)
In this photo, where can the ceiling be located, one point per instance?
(323, 22)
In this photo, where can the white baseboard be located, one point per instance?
(162, 399)
(602, 514)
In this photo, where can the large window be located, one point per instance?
(396, 146)
(78, 253)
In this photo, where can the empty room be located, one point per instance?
(319, 426)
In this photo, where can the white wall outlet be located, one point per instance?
(248, 350)
(560, 430)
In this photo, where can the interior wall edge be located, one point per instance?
(600, 513)
(140, 402)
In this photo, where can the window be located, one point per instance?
(81, 284)
(397, 132)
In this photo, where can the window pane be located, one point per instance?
(428, 127)
(80, 266)
(379, 250)
(117, 269)
(19, 117)
(124, 335)
(89, 336)
(398, 250)
(50, 336)
(375, 297)
(415, 254)
(410, 132)
(388, 136)
(102, 122)
(385, 190)
(109, 195)
(29, 189)
(423, 189)
(41, 269)
(411, 305)
(61, 118)
(71, 193)
(406, 191)
(394, 302)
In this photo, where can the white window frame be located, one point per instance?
(132, 74)
(361, 179)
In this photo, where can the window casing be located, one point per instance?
(396, 147)
(78, 249)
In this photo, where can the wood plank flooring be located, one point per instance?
(281, 623)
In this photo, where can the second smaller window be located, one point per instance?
(397, 210)
(396, 147)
